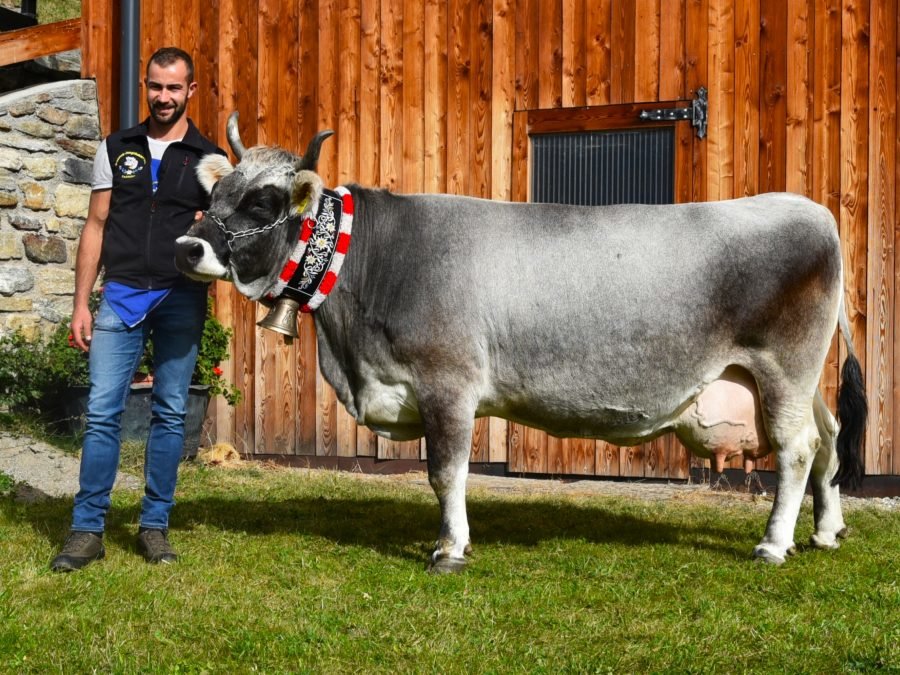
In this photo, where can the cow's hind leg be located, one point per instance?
(793, 432)
(448, 432)
(826, 497)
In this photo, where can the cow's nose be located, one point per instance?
(188, 254)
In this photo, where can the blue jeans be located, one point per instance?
(174, 327)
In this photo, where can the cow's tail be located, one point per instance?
(852, 412)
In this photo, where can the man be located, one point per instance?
(145, 195)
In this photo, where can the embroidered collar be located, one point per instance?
(312, 270)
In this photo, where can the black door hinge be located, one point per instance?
(697, 113)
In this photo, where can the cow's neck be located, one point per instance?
(312, 269)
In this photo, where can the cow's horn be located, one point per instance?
(311, 158)
(234, 135)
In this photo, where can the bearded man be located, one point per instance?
(145, 195)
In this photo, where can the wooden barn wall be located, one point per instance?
(803, 97)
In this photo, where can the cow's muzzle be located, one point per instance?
(195, 258)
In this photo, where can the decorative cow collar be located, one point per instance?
(312, 270)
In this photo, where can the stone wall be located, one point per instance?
(48, 137)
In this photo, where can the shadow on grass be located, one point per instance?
(407, 529)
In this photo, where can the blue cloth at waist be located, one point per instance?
(132, 305)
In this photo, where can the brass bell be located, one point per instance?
(282, 318)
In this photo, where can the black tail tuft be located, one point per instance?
(852, 413)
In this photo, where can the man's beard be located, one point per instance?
(175, 114)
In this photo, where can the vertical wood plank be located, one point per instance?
(309, 53)
(305, 125)
(647, 50)
(598, 18)
(622, 53)
(721, 100)
(392, 132)
(854, 165)
(672, 65)
(99, 26)
(391, 144)
(369, 137)
(881, 299)
(747, 98)
(246, 76)
(696, 36)
(151, 21)
(267, 391)
(326, 83)
(225, 26)
(481, 148)
(503, 101)
(435, 96)
(459, 74)
(480, 131)
(413, 125)
(574, 54)
(550, 54)
(631, 461)
(607, 460)
(286, 351)
(895, 432)
(773, 106)
(516, 453)
(503, 98)
(413, 96)
(527, 54)
(799, 158)
(206, 71)
(369, 93)
(348, 47)
(826, 167)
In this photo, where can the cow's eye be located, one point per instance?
(261, 204)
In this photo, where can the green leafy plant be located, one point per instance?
(214, 350)
(36, 375)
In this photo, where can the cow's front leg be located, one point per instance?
(795, 458)
(448, 431)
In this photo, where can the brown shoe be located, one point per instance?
(154, 546)
(80, 549)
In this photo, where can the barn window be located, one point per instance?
(604, 154)
(590, 168)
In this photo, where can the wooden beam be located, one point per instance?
(30, 43)
(99, 26)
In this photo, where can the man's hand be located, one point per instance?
(82, 328)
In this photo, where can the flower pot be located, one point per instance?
(136, 418)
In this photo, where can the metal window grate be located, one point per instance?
(634, 166)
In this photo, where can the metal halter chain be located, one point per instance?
(231, 236)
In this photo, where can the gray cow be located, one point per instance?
(601, 322)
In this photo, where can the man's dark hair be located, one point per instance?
(166, 56)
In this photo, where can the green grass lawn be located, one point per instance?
(287, 571)
(58, 10)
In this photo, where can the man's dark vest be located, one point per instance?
(141, 229)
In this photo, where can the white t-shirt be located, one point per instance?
(102, 178)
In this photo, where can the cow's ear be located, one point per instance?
(211, 169)
(305, 192)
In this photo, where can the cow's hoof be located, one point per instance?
(824, 542)
(447, 565)
(763, 554)
(843, 533)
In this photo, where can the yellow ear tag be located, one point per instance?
(302, 207)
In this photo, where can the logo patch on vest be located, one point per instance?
(129, 164)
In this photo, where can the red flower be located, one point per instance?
(217, 371)
(71, 340)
